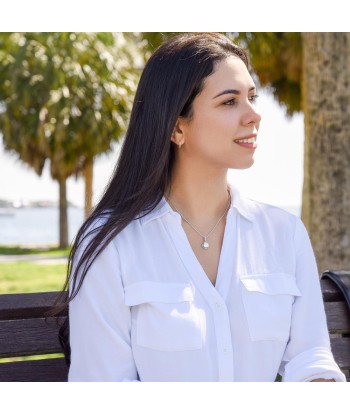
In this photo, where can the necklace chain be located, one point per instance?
(205, 244)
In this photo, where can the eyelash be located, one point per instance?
(233, 101)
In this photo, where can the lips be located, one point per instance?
(248, 141)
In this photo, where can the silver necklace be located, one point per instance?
(205, 243)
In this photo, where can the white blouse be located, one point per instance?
(147, 311)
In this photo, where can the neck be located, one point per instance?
(200, 196)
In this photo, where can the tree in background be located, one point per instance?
(64, 98)
(276, 60)
(309, 72)
(326, 104)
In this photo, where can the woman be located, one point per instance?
(175, 276)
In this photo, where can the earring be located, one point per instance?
(180, 144)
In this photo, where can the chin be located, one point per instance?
(243, 165)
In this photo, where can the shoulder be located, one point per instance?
(91, 239)
(273, 221)
(259, 212)
(269, 221)
(274, 227)
(270, 212)
(92, 225)
(129, 235)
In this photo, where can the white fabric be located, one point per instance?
(148, 312)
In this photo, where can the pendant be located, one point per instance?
(205, 244)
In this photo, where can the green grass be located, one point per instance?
(18, 250)
(27, 277)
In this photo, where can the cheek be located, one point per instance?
(217, 127)
(211, 139)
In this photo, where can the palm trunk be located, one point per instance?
(326, 104)
(88, 175)
(63, 215)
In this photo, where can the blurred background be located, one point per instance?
(65, 99)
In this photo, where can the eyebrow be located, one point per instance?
(232, 91)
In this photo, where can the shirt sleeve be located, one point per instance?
(100, 325)
(308, 353)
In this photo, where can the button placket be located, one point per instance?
(223, 337)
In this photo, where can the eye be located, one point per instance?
(231, 101)
(253, 98)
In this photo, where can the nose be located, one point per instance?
(251, 115)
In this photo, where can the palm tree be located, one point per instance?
(64, 98)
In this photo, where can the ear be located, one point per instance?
(178, 136)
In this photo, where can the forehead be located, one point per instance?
(229, 73)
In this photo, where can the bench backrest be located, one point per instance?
(338, 319)
(26, 331)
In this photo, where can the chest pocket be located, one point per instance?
(164, 316)
(268, 301)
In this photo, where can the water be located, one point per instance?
(39, 226)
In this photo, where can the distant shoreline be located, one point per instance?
(5, 205)
(37, 226)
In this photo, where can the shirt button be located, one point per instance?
(218, 305)
(224, 350)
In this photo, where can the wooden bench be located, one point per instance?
(25, 331)
(338, 319)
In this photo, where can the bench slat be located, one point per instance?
(338, 317)
(29, 337)
(48, 370)
(330, 291)
(21, 306)
(341, 351)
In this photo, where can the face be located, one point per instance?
(224, 125)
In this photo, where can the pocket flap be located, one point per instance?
(272, 284)
(148, 292)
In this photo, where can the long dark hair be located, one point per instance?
(170, 81)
